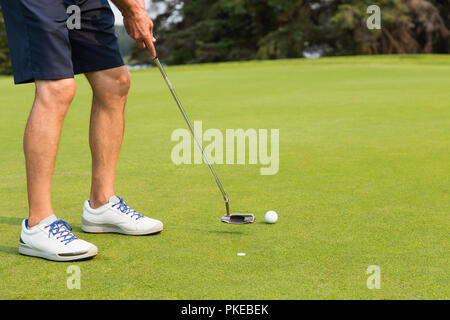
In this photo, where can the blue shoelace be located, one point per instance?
(61, 229)
(123, 207)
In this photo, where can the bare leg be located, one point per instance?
(41, 139)
(110, 90)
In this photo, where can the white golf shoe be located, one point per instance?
(53, 239)
(117, 217)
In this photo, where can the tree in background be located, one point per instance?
(431, 25)
(408, 26)
(5, 62)
(226, 30)
(195, 31)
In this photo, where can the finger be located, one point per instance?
(140, 44)
(151, 48)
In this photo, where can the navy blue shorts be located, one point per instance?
(42, 46)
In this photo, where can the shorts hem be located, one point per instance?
(88, 69)
(43, 77)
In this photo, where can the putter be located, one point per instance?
(231, 218)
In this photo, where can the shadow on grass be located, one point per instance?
(220, 232)
(10, 250)
(76, 229)
(13, 221)
(225, 232)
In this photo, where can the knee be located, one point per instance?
(116, 82)
(110, 89)
(55, 93)
(123, 83)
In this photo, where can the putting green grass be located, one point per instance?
(364, 180)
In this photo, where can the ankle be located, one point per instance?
(34, 219)
(96, 203)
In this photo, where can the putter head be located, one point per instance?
(238, 218)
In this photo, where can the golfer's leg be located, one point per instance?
(41, 139)
(110, 90)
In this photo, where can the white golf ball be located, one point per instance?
(271, 216)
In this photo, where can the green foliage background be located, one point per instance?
(230, 30)
(5, 61)
(234, 30)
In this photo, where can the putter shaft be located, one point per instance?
(169, 84)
